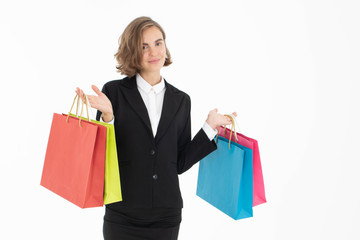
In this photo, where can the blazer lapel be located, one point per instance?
(172, 102)
(133, 97)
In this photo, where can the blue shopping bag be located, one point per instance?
(225, 179)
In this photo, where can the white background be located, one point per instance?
(289, 68)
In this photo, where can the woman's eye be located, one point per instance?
(158, 44)
(145, 47)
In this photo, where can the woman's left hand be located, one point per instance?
(216, 119)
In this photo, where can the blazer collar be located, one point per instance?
(172, 101)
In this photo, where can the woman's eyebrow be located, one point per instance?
(160, 39)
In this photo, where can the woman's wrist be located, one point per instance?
(209, 131)
(107, 117)
(212, 124)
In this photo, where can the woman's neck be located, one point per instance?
(152, 78)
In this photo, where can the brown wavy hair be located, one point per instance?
(130, 51)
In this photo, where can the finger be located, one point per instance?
(96, 90)
(92, 101)
(91, 98)
(88, 100)
(82, 95)
(228, 120)
(234, 114)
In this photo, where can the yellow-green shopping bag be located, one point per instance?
(112, 188)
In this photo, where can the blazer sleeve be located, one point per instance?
(192, 151)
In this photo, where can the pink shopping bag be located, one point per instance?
(258, 180)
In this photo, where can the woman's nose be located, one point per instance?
(153, 51)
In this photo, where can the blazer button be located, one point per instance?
(152, 152)
(155, 176)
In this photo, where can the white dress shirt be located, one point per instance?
(153, 97)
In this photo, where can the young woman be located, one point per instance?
(153, 136)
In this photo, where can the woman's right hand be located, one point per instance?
(100, 102)
(216, 120)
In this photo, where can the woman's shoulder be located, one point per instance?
(175, 90)
(113, 87)
(126, 81)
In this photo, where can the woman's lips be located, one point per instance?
(154, 61)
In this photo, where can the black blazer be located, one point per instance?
(149, 166)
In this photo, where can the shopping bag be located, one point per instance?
(225, 179)
(112, 188)
(75, 160)
(258, 180)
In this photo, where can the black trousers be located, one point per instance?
(141, 224)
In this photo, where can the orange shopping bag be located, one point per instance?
(75, 160)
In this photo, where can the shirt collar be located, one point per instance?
(146, 87)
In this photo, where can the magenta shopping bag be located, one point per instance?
(258, 180)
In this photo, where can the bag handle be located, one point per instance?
(88, 106)
(77, 104)
(77, 108)
(233, 131)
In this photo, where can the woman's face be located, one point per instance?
(154, 50)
